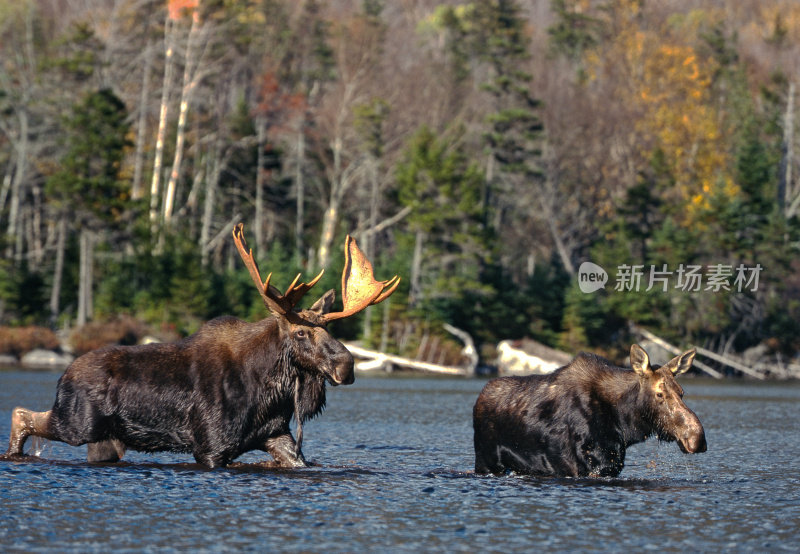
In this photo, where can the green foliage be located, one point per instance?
(573, 32)
(444, 191)
(544, 301)
(587, 321)
(94, 141)
(369, 119)
(23, 294)
(514, 129)
(79, 59)
(441, 186)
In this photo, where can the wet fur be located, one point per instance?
(576, 421)
(230, 388)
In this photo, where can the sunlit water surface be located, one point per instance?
(394, 472)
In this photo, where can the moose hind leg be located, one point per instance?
(25, 423)
(110, 450)
(284, 450)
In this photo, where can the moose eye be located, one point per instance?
(300, 334)
(660, 395)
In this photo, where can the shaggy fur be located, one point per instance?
(230, 388)
(579, 420)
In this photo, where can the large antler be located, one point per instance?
(359, 287)
(276, 302)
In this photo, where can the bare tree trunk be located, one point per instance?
(789, 195)
(374, 205)
(548, 200)
(85, 284)
(137, 190)
(25, 58)
(331, 215)
(329, 220)
(300, 190)
(561, 248)
(340, 180)
(369, 238)
(155, 184)
(4, 190)
(58, 272)
(35, 243)
(415, 292)
(212, 177)
(385, 326)
(17, 181)
(487, 188)
(261, 131)
(189, 83)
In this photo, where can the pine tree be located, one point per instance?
(88, 179)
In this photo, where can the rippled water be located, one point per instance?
(394, 472)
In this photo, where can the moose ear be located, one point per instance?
(681, 364)
(324, 304)
(640, 361)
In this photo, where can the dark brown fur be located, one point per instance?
(579, 420)
(230, 388)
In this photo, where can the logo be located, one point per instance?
(591, 277)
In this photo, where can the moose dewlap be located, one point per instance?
(230, 388)
(578, 420)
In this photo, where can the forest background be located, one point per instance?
(482, 151)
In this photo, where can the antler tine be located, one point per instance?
(274, 302)
(388, 288)
(295, 292)
(359, 287)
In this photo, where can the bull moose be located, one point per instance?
(578, 420)
(230, 388)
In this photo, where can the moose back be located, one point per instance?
(230, 388)
(578, 420)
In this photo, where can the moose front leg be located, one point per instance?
(110, 450)
(25, 423)
(284, 450)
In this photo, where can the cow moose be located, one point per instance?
(578, 420)
(230, 388)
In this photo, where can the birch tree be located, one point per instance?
(18, 83)
(193, 73)
(358, 50)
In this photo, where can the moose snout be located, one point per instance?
(342, 373)
(692, 439)
(693, 443)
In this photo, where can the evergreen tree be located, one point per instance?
(443, 190)
(94, 140)
(88, 179)
(574, 31)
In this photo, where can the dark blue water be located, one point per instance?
(394, 472)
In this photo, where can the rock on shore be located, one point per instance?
(45, 359)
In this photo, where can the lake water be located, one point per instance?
(394, 473)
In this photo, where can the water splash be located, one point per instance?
(38, 445)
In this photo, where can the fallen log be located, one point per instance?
(728, 362)
(674, 350)
(469, 351)
(528, 357)
(379, 360)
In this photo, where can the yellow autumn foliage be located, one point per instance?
(667, 85)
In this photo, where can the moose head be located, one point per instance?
(312, 346)
(672, 419)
